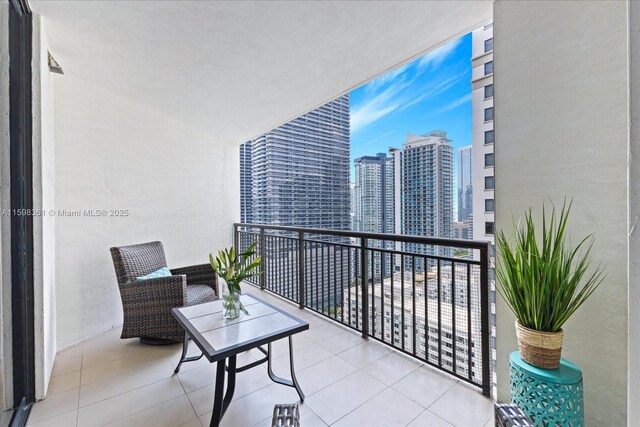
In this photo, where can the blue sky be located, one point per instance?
(432, 92)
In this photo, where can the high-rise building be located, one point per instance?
(425, 181)
(246, 187)
(352, 192)
(300, 177)
(374, 202)
(300, 171)
(483, 133)
(483, 139)
(462, 230)
(465, 184)
(373, 194)
(391, 317)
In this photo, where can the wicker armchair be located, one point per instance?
(147, 304)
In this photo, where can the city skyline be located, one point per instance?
(435, 88)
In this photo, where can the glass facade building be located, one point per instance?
(426, 182)
(465, 184)
(374, 194)
(246, 187)
(300, 171)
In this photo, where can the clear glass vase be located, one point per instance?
(231, 305)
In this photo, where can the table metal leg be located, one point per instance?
(220, 403)
(184, 358)
(283, 381)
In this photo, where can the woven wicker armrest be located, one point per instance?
(201, 274)
(510, 415)
(147, 306)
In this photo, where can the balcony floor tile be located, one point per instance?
(429, 419)
(342, 397)
(424, 386)
(347, 381)
(389, 408)
(478, 409)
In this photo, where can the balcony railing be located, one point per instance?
(426, 297)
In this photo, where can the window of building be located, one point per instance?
(488, 68)
(488, 137)
(488, 45)
(489, 205)
(488, 159)
(488, 183)
(488, 91)
(488, 228)
(488, 114)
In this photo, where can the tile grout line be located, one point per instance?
(143, 352)
(157, 362)
(435, 415)
(187, 395)
(314, 413)
(151, 407)
(30, 423)
(381, 391)
(366, 401)
(137, 388)
(438, 398)
(414, 418)
(121, 393)
(328, 385)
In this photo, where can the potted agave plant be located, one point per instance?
(233, 268)
(544, 283)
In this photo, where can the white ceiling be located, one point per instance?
(239, 69)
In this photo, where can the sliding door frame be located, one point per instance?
(21, 190)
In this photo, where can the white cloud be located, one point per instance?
(381, 137)
(436, 57)
(454, 104)
(436, 89)
(377, 106)
(385, 78)
(386, 94)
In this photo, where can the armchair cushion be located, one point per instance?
(201, 274)
(161, 272)
(197, 294)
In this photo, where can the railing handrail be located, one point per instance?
(437, 241)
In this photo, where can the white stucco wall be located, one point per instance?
(43, 199)
(6, 395)
(562, 130)
(179, 184)
(633, 381)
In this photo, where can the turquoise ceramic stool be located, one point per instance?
(549, 397)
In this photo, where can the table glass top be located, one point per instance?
(219, 337)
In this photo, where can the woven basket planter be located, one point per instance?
(541, 349)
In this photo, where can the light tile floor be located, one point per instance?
(348, 381)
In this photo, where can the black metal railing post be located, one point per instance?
(484, 319)
(364, 287)
(301, 264)
(263, 276)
